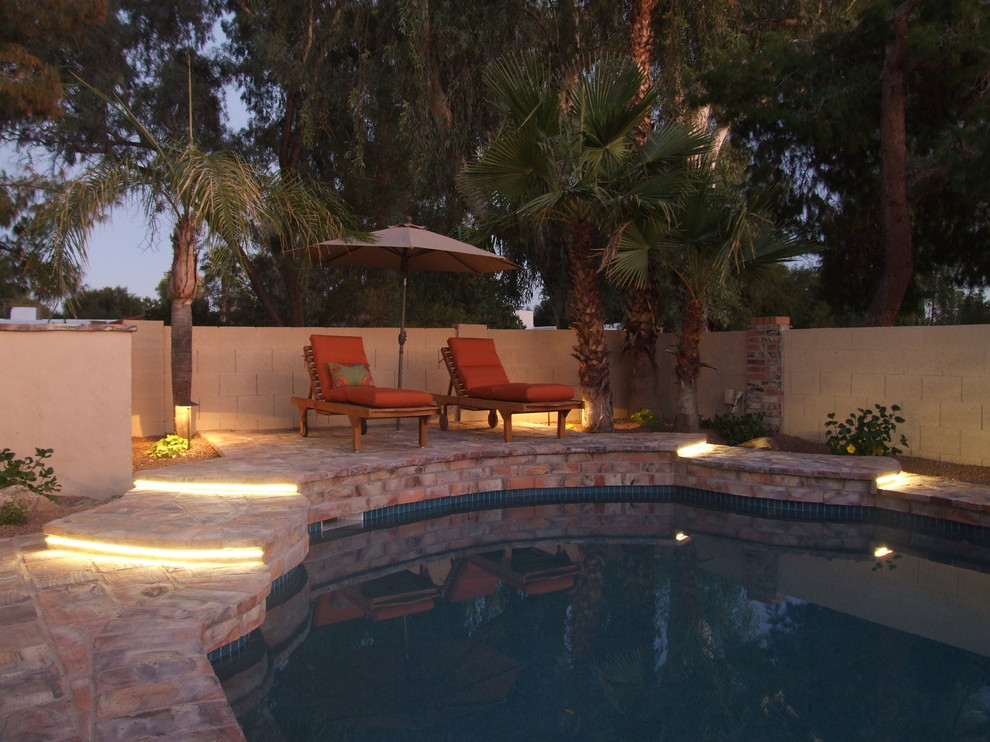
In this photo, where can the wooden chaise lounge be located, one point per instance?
(340, 383)
(478, 382)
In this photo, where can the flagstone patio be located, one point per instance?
(102, 645)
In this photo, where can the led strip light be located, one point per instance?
(220, 488)
(251, 554)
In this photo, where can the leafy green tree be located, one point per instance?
(384, 100)
(146, 52)
(34, 38)
(219, 193)
(109, 302)
(811, 113)
(567, 154)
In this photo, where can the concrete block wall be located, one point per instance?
(151, 379)
(937, 375)
(243, 377)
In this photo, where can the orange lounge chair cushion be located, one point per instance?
(343, 349)
(483, 376)
(349, 350)
(477, 362)
(379, 396)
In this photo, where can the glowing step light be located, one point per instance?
(246, 555)
(888, 480)
(695, 449)
(215, 488)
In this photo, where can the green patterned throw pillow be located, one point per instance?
(350, 374)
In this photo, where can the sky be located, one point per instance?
(120, 254)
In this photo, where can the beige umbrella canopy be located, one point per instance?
(406, 248)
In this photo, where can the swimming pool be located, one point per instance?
(618, 620)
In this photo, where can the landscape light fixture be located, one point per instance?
(185, 421)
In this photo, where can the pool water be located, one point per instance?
(475, 627)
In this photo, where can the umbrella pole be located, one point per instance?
(402, 327)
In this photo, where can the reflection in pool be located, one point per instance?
(596, 622)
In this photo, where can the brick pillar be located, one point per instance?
(765, 368)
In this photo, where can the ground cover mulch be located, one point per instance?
(199, 450)
(43, 510)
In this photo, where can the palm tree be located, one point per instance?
(219, 194)
(716, 231)
(567, 153)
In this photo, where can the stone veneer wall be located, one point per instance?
(765, 368)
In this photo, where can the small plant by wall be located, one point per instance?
(14, 512)
(29, 472)
(169, 447)
(736, 429)
(647, 419)
(865, 432)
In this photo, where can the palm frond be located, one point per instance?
(57, 235)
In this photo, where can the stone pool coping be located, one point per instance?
(98, 648)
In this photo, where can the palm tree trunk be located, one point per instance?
(641, 301)
(182, 292)
(898, 262)
(587, 319)
(293, 289)
(641, 52)
(642, 333)
(688, 365)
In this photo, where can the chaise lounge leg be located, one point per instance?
(356, 431)
(561, 422)
(507, 426)
(303, 421)
(422, 430)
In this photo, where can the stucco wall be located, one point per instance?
(69, 389)
(938, 376)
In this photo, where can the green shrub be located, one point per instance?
(647, 419)
(169, 447)
(14, 512)
(867, 433)
(736, 429)
(29, 472)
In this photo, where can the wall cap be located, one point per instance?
(65, 327)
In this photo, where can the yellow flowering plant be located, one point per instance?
(865, 432)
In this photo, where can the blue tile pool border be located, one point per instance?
(395, 515)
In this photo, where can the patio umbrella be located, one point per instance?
(406, 248)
